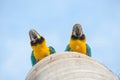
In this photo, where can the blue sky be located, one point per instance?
(54, 19)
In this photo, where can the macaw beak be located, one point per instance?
(77, 31)
(35, 37)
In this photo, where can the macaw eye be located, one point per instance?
(82, 37)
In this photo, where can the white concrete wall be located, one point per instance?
(69, 66)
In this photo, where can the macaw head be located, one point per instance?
(77, 32)
(35, 37)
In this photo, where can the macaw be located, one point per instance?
(78, 41)
(40, 49)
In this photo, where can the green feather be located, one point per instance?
(33, 60)
(52, 50)
(67, 48)
(88, 50)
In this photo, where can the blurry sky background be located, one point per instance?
(54, 20)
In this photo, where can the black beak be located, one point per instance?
(77, 31)
(35, 37)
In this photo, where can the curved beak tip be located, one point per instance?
(77, 30)
(33, 34)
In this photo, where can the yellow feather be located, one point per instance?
(40, 50)
(78, 45)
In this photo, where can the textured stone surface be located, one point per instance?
(69, 66)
